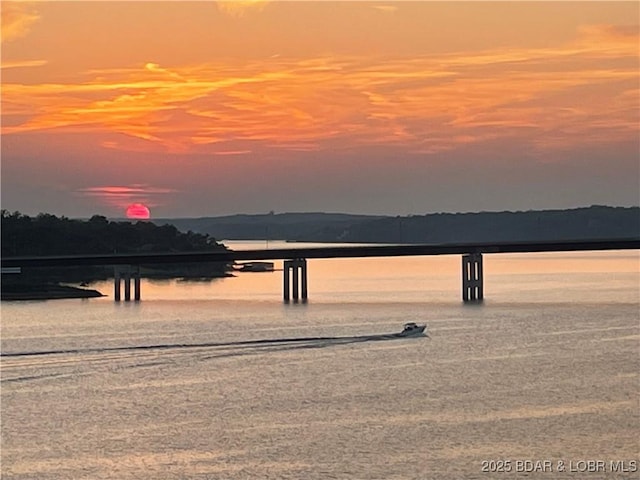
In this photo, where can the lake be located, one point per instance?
(536, 382)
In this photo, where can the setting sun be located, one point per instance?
(138, 211)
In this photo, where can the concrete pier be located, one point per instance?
(136, 284)
(295, 279)
(123, 274)
(127, 285)
(472, 278)
(116, 284)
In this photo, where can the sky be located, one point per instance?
(389, 107)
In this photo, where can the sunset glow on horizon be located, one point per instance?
(510, 106)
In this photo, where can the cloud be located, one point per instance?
(386, 8)
(23, 64)
(17, 20)
(546, 98)
(232, 152)
(238, 8)
(123, 196)
(609, 35)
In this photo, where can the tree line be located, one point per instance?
(46, 234)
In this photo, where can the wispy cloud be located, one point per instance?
(386, 8)
(22, 64)
(17, 19)
(232, 152)
(583, 91)
(122, 196)
(239, 8)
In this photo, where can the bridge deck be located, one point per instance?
(321, 252)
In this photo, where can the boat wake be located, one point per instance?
(292, 342)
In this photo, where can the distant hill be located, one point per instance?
(593, 222)
(329, 227)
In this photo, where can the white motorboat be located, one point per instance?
(412, 329)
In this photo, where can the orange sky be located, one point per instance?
(205, 108)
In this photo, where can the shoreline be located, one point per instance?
(52, 291)
(47, 292)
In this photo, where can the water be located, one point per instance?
(546, 369)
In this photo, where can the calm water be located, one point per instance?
(546, 369)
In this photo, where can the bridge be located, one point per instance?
(127, 266)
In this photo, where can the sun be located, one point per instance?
(138, 211)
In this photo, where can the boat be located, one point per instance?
(255, 267)
(412, 329)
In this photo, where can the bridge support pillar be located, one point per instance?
(295, 279)
(127, 284)
(116, 284)
(136, 283)
(472, 278)
(123, 275)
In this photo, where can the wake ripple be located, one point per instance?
(321, 341)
